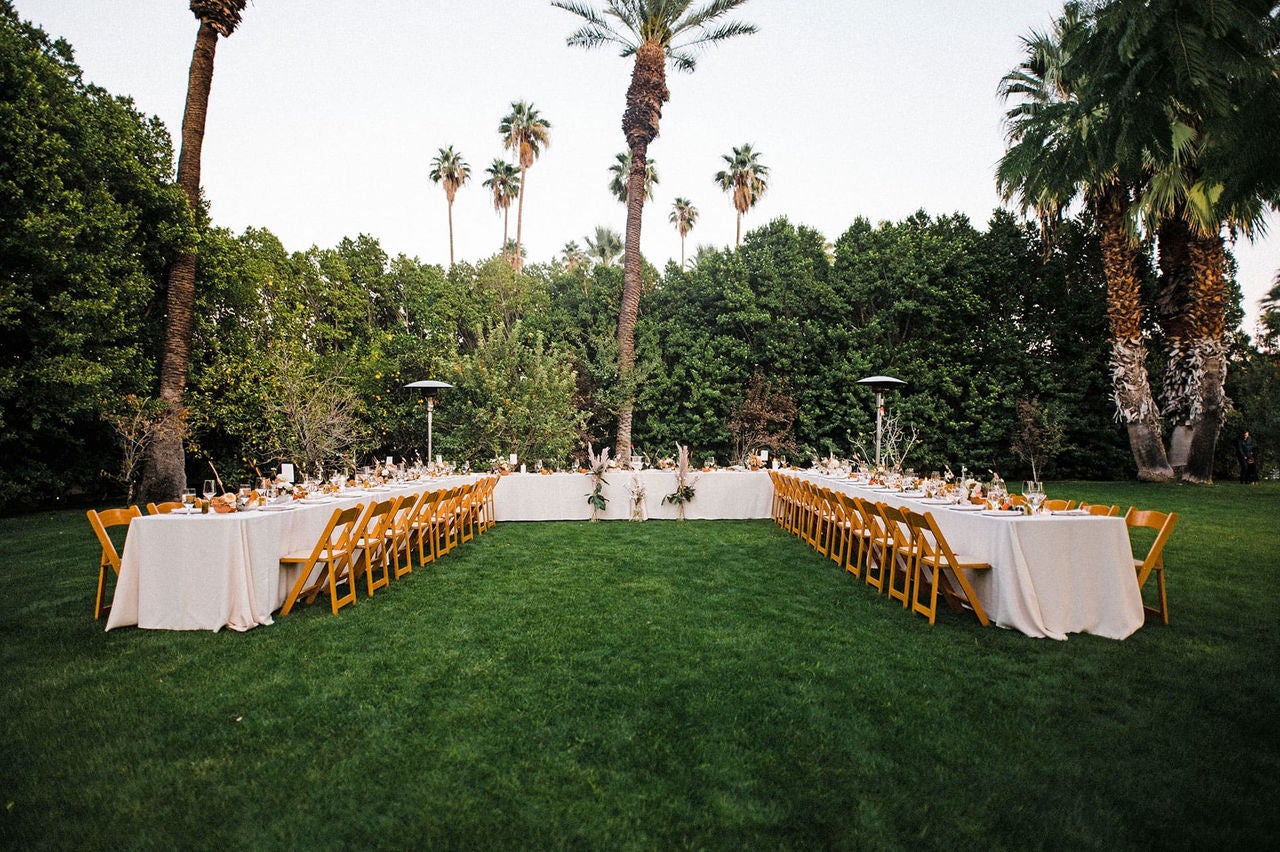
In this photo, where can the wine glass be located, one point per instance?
(1034, 492)
(189, 499)
(210, 489)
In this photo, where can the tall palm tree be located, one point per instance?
(621, 172)
(1055, 154)
(605, 248)
(684, 216)
(745, 179)
(655, 32)
(449, 169)
(572, 254)
(504, 183)
(164, 471)
(526, 133)
(1192, 86)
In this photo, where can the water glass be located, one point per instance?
(189, 499)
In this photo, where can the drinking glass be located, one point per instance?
(1034, 492)
(189, 499)
(209, 489)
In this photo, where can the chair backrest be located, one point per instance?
(1101, 509)
(105, 520)
(1059, 505)
(1163, 524)
(871, 519)
(377, 518)
(163, 508)
(895, 526)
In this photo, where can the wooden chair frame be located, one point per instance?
(371, 541)
(1153, 563)
(334, 551)
(901, 552)
(878, 543)
(945, 571)
(164, 508)
(101, 522)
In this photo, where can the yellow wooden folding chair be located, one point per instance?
(101, 522)
(333, 553)
(939, 570)
(399, 534)
(857, 535)
(164, 508)
(879, 544)
(1153, 563)
(1100, 509)
(371, 541)
(901, 552)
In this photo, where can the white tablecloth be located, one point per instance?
(1051, 575)
(721, 494)
(206, 572)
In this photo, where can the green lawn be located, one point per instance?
(648, 686)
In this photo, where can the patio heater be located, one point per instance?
(880, 384)
(430, 388)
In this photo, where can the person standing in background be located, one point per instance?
(1248, 460)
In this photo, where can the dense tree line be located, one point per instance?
(303, 355)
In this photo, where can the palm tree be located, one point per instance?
(1056, 154)
(572, 254)
(606, 246)
(684, 216)
(164, 472)
(449, 169)
(745, 180)
(621, 171)
(504, 183)
(1191, 86)
(525, 132)
(654, 32)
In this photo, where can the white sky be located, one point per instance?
(325, 115)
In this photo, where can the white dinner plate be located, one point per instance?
(914, 494)
(1071, 513)
(937, 501)
(279, 507)
(967, 507)
(1003, 513)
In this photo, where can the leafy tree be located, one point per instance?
(504, 183)
(745, 179)
(88, 225)
(512, 394)
(525, 132)
(654, 32)
(450, 170)
(621, 170)
(164, 475)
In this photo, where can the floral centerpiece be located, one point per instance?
(599, 466)
(684, 482)
(636, 492)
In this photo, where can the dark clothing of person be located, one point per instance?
(1248, 461)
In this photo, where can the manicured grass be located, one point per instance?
(649, 686)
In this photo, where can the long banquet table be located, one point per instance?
(719, 495)
(206, 572)
(1051, 574)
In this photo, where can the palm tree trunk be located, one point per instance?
(629, 311)
(1191, 309)
(524, 179)
(682, 251)
(506, 229)
(645, 97)
(164, 473)
(737, 237)
(451, 233)
(1131, 388)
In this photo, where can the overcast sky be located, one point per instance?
(325, 115)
